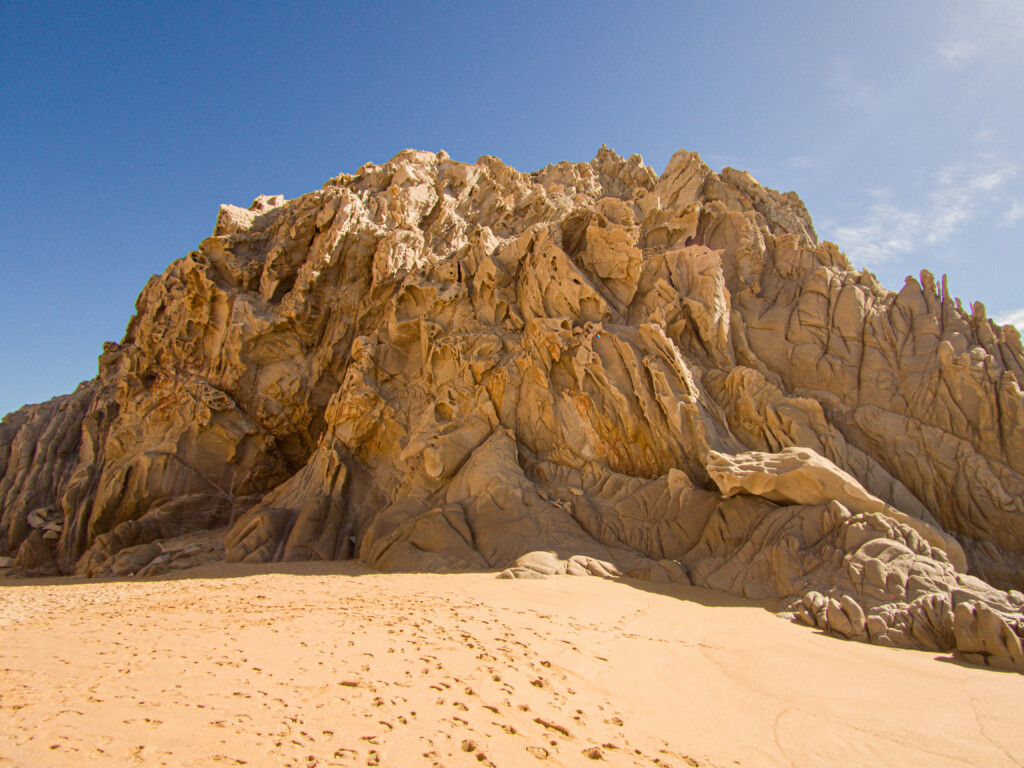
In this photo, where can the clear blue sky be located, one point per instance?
(124, 125)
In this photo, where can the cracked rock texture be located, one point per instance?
(590, 369)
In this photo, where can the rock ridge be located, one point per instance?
(588, 369)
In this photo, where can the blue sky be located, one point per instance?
(123, 126)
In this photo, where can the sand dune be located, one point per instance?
(330, 664)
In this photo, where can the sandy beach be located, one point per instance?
(324, 664)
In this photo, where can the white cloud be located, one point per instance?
(1013, 317)
(1014, 214)
(957, 53)
(801, 161)
(986, 135)
(886, 230)
(882, 233)
(990, 29)
(957, 193)
(850, 90)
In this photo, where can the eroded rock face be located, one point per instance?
(434, 365)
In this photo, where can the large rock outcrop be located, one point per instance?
(588, 369)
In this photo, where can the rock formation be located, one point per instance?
(433, 365)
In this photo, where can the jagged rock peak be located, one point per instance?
(437, 365)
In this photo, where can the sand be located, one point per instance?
(330, 664)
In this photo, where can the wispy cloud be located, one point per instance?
(850, 89)
(801, 161)
(883, 233)
(886, 230)
(1013, 317)
(958, 191)
(1014, 214)
(957, 53)
(986, 135)
(995, 26)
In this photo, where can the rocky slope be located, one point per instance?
(431, 365)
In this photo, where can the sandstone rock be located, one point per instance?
(434, 365)
(131, 559)
(170, 519)
(800, 476)
(983, 637)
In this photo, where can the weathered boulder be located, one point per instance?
(801, 476)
